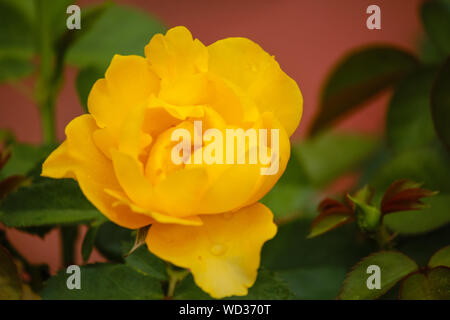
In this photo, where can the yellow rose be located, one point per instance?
(204, 217)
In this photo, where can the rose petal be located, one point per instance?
(223, 254)
(247, 65)
(78, 157)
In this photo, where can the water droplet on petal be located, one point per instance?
(218, 249)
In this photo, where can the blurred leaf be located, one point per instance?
(268, 286)
(373, 165)
(11, 184)
(428, 165)
(429, 53)
(292, 195)
(24, 157)
(147, 263)
(435, 215)
(436, 19)
(111, 239)
(440, 258)
(433, 285)
(421, 247)
(440, 103)
(104, 281)
(393, 265)
(16, 33)
(51, 202)
(89, 16)
(10, 284)
(358, 77)
(13, 68)
(89, 239)
(328, 156)
(120, 30)
(409, 123)
(86, 78)
(38, 231)
(7, 137)
(314, 283)
(288, 201)
(28, 294)
(290, 249)
(295, 173)
(51, 19)
(188, 290)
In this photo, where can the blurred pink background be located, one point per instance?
(306, 37)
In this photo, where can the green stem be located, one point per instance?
(175, 276)
(383, 237)
(46, 86)
(48, 122)
(69, 236)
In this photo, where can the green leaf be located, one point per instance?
(409, 123)
(393, 266)
(429, 53)
(50, 202)
(104, 281)
(327, 223)
(440, 258)
(16, 33)
(84, 82)
(89, 239)
(268, 286)
(428, 165)
(10, 284)
(51, 17)
(13, 68)
(435, 215)
(440, 103)
(147, 263)
(16, 39)
(433, 285)
(97, 47)
(436, 20)
(188, 290)
(111, 239)
(290, 249)
(24, 157)
(358, 77)
(328, 156)
(321, 282)
(288, 201)
(89, 16)
(292, 195)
